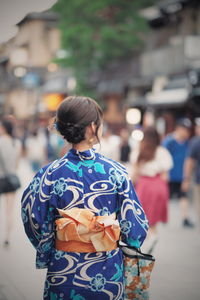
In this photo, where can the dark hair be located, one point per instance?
(8, 126)
(74, 114)
(148, 145)
(185, 123)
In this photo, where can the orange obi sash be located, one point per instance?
(79, 230)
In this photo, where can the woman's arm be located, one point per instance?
(188, 169)
(132, 219)
(38, 217)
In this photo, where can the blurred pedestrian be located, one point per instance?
(110, 144)
(81, 193)
(36, 145)
(151, 165)
(54, 146)
(125, 148)
(192, 166)
(177, 144)
(10, 150)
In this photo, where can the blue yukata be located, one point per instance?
(82, 180)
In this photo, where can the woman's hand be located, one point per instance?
(164, 176)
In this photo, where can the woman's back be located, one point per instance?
(91, 181)
(162, 162)
(82, 180)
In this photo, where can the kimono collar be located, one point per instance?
(84, 155)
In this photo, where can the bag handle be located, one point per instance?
(138, 251)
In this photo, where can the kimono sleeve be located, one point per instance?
(132, 219)
(38, 217)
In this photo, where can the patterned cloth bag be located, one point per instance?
(137, 271)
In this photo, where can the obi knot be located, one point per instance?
(79, 225)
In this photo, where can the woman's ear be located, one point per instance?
(90, 131)
(93, 127)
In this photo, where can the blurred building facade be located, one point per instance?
(164, 79)
(171, 61)
(26, 66)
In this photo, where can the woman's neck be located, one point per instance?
(83, 146)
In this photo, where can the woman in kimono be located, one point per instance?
(75, 210)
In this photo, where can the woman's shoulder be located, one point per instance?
(164, 157)
(10, 145)
(111, 163)
(161, 150)
(5, 140)
(51, 167)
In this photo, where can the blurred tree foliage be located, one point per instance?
(98, 32)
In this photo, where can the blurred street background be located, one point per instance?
(141, 61)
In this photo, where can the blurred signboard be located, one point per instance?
(175, 92)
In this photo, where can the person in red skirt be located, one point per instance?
(151, 163)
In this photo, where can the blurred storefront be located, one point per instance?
(111, 87)
(32, 85)
(170, 65)
(162, 81)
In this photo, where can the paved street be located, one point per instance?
(176, 275)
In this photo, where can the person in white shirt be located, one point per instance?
(151, 163)
(35, 146)
(10, 151)
(110, 144)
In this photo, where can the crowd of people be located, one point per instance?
(162, 169)
(172, 164)
(37, 145)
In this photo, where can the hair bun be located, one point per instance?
(73, 116)
(73, 133)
